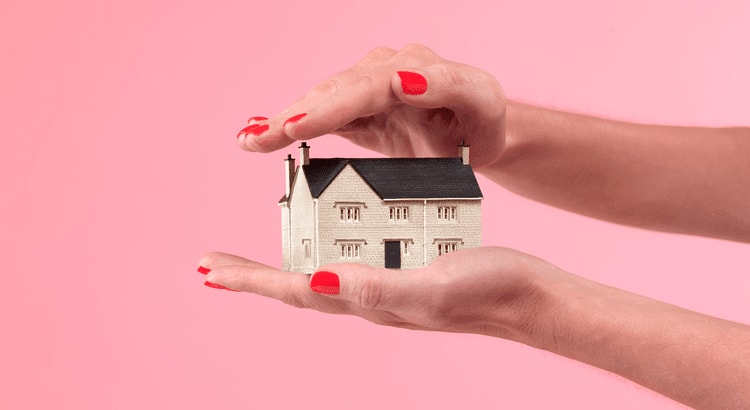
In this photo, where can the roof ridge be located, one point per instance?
(402, 177)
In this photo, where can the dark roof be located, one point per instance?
(399, 178)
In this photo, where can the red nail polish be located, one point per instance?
(295, 118)
(217, 286)
(256, 119)
(260, 129)
(326, 283)
(204, 270)
(247, 129)
(412, 83)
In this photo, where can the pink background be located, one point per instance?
(120, 169)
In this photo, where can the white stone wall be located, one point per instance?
(467, 227)
(286, 261)
(349, 189)
(420, 232)
(302, 225)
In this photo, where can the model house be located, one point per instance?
(386, 212)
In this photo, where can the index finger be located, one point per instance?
(254, 277)
(359, 91)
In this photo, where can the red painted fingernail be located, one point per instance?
(256, 119)
(295, 118)
(326, 283)
(217, 286)
(247, 129)
(259, 130)
(255, 129)
(412, 83)
(204, 270)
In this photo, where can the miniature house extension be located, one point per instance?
(384, 212)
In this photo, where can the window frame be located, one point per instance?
(307, 248)
(350, 213)
(447, 213)
(350, 250)
(398, 213)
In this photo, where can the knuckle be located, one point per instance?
(370, 295)
(378, 54)
(294, 298)
(364, 81)
(326, 87)
(450, 76)
(417, 49)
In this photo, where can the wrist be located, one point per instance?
(515, 140)
(528, 314)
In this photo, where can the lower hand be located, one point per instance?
(492, 291)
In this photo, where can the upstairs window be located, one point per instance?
(349, 213)
(446, 213)
(398, 213)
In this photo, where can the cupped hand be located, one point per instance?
(407, 103)
(492, 291)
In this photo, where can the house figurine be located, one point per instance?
(397, 213)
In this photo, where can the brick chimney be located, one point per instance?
(289, 167)
(304, 154)
(463, 152)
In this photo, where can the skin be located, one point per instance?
(674, 179)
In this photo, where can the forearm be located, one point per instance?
(692, 358)
(675, 179)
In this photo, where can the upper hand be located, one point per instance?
(382, 104)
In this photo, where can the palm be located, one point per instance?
(407, 131)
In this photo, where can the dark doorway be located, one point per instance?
(393, 254)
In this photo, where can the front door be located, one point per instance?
(393, 254)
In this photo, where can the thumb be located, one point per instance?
(363, 286)
(461, 88)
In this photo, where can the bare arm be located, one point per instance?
(675, 179)
(695, 359)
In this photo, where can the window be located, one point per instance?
(406, 247)
(446, 247)
(350, 250)
(446, 213)
(398, 213)
(308, 248)
(349, 213)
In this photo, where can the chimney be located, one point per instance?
(463, 152)
(304, 154)
(289, 166)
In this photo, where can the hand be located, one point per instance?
(505, 293)
(489, 291)
(408, 103)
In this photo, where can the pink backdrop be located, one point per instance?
(120, 169)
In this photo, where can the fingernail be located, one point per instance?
(326, 283)
(295, 118)
(256, 119)
(255, 129)
(247, 129)
(259, 130)
(204, 270)
(217, 286)
(412, 83)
